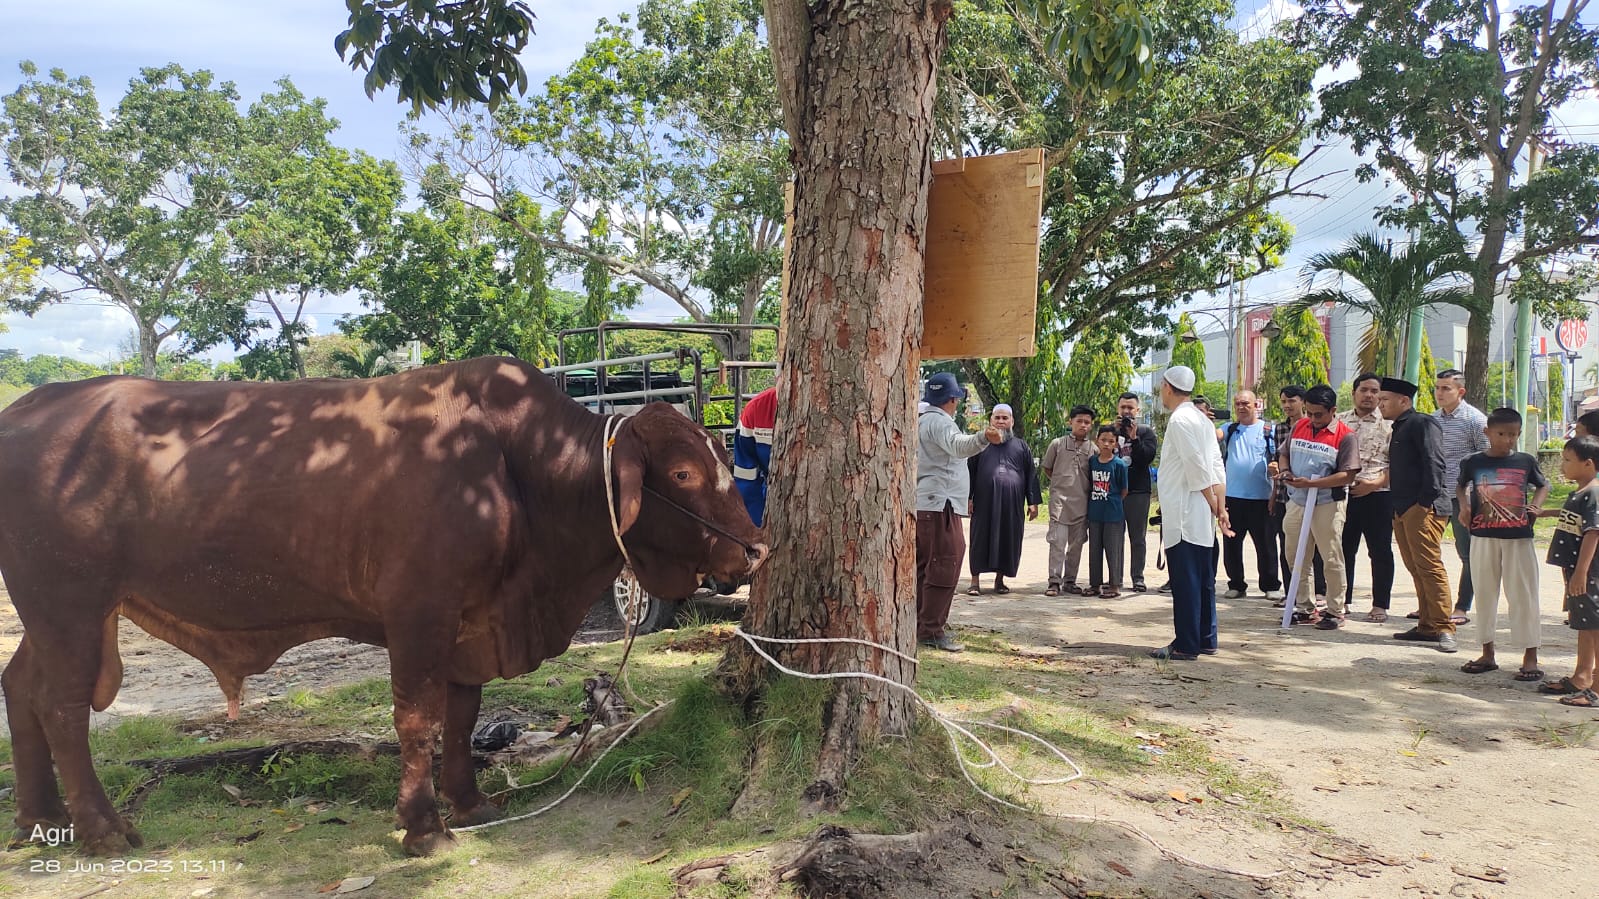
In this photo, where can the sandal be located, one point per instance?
(1561, 687)
(1528, 674)
(973, 591)
(1002, 589)
(1108, 593)
(1457, 619)
(1582, 699)
(1377, 616)
(1478, 666)
(1414, 615)
(1052, 591)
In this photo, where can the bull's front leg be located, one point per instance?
(420, 691)
(459, 777)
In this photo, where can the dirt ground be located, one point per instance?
(1431, 774)
(158, 679)
(1432, 782)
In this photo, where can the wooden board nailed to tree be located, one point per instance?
(981, 268)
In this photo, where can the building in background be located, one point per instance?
(1446, 334)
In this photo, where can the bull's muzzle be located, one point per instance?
(756, 555)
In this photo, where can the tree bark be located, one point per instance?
(1484, 280)
(857, 79)
(149, 343)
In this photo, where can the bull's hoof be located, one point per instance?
(422, 845)
(110, 844)
(483, 813)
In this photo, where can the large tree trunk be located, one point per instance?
(1484, 280)
(857, 78)
(149, 343)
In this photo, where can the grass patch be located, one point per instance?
(299, 821)
(1565, 734)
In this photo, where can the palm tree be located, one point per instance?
(369, 361)
(1388, 287)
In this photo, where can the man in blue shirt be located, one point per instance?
(1248, 447)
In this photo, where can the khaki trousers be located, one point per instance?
(1513, 564)
(1419, 531)
(1327, 537)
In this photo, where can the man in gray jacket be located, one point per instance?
(943, 485)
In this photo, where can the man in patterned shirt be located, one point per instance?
(1369, 513)
(1464, 432)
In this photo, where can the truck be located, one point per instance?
(611, 384)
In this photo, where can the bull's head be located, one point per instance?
(681, 517)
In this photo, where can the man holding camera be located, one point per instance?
(1135, 443)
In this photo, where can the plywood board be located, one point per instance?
(983, 216)
(981, 265)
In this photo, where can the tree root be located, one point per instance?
(833, 862)
(836, 862)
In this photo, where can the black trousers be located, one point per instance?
(1370, 516)
(1285, 564)
(1136, 505)
(1251, 520)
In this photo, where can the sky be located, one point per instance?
(255, 42)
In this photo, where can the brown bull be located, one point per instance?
(455, 514)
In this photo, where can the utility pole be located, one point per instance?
(1524, 322)
(1232, 335)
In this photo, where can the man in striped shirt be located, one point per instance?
(1464, 432)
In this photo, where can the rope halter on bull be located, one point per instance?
(635, 591)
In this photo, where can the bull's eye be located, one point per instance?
(681, 475)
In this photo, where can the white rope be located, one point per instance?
(798, 640)
(953, 727)
(613, 426)
(563, 797)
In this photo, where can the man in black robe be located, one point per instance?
(1003, 482)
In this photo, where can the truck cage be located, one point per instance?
(643, 380)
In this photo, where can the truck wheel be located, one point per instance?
(651, 614)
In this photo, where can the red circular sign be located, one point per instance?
(1573, 334)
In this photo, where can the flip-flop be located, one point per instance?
(1052, 591)
(1582, 699)
(1001, 590)
(1414, 615)
(1528, 674)
(1458, 618)
(1560, 687)
(1377, 616)
(1478, 666)
(973, 591)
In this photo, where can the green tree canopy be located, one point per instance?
(18, 266)
(1099, 372)
(461, 281)
(1189, 351)
(126, 205)
(1451, 96)
(1299, 355)
(1149, 199)
(660, 151)
(435, 53)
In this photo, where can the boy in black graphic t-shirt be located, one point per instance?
(1573, 548)
(1493, 491)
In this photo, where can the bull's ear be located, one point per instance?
(627, 468)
